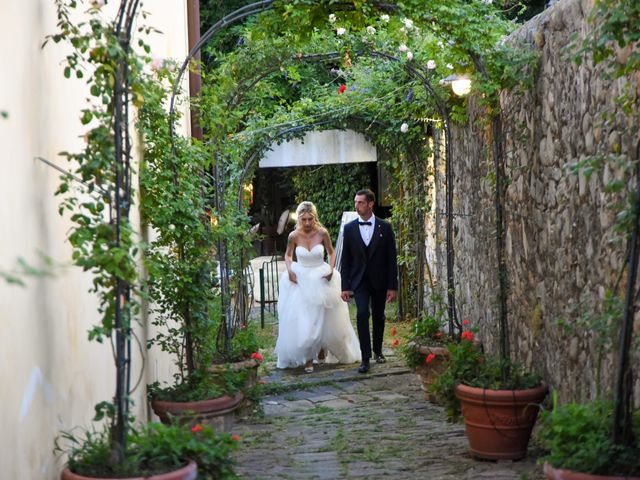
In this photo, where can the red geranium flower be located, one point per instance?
(467, 336)
(341, 89)
(196, 428)
(465, 322)
(431, 357)
(257, 356)
(235, 438)
(394, 331)
(395, 342)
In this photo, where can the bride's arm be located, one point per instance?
(288, 256)
(328, 246)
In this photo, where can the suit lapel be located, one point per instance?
(375, 237)
(357, 238)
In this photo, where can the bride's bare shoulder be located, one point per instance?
(294, 236)
(324, 233)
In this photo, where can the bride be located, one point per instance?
(313, 320)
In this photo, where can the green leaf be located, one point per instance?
(87, 116)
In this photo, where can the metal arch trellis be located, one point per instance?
(122, 202)
(418, 73)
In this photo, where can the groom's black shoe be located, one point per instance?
(364, 367)
(380, 359)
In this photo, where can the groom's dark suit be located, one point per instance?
(369, 271)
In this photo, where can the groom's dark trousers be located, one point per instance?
(365, 297)
(369, 271)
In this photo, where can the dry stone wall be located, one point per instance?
(562, 252)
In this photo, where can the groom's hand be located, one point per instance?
(346, 295)
(391, 296)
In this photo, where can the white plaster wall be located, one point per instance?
(50, 375)
(320, 148)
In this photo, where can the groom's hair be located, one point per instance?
(371, 197)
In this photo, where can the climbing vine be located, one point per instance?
(99, 204)
(611, 44)
(362, 66)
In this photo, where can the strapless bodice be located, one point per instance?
(310, 258)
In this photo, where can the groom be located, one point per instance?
(369, 272)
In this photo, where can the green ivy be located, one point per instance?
(332, 189)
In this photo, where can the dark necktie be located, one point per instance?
(364, 223)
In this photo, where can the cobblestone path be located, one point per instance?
(336, 423)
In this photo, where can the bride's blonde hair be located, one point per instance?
(310, 208)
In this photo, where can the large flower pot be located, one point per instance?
(250, 366)
(216, 412)
(188, 472)
(429, 372)
(498, 423)
(562, 474)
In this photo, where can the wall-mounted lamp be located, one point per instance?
(460, 84)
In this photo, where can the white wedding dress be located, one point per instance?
(311, 314)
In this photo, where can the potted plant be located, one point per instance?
(499, 412)
(98, 195)
(426, 351)
(153, 449)
(578, 439)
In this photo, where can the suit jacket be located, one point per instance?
(379, 265)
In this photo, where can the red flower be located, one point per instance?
(467, 336)
(257, 356)
(394, 331)
(395, 342)
(196, 428)
(431, 357)
(341, 89)
(235, 438)
(465, 322)
(438, 334)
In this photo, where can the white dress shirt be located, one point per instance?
(366, 231)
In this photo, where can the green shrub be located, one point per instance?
(578, 437)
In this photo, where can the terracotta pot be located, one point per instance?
(561, 474)
(188, 472)
(498, 423)
(429, 372)
(203, 411)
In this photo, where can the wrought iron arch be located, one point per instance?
(417, 73)
(421, 75)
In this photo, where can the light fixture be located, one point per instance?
(460, 84)
(248, 192)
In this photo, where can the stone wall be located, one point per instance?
(562, 253)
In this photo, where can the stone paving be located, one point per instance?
(336, 423)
